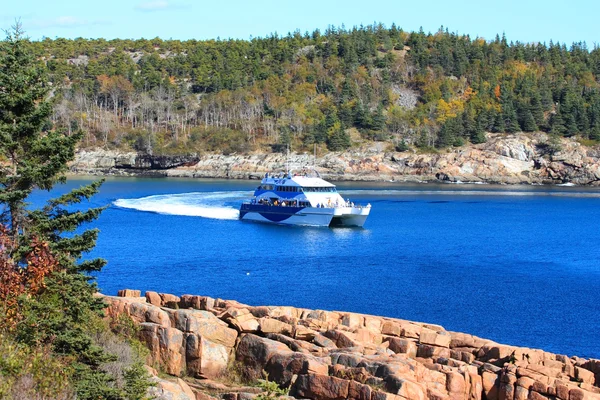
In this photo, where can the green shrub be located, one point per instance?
(402, 146)
(271, 389)
(27, 371)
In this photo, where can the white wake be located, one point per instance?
(199, 204)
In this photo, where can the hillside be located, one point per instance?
(336, 88)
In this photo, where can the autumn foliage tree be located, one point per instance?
(26, 278)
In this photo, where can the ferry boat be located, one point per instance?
(301, 199)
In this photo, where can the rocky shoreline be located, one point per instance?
(215, 345)
(504, 159)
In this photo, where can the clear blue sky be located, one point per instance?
(523, 20)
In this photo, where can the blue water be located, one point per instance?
(518, 265)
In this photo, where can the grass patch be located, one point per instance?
(588, 142)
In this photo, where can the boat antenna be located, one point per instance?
(314, 156)
(287, 159)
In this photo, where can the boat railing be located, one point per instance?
(296, 170)
(347, 204)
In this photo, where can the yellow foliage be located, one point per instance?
(516, 68)
(361, 75)
(321, 99)
(446, 110)
(332, 63)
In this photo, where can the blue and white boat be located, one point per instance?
(301, 199)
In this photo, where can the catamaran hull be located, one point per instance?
(307, 216)
(349, 216)
(287, 215)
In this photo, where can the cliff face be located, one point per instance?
(512, 159)
(338, 355)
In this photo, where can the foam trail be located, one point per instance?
(206, 205)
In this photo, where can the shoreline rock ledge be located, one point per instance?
(208, 344)
(506, 159)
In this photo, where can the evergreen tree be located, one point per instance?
(528, 124)
(525, 118)
(348, 91)
(537, 110)
(361, 117)
(478, 136)
(595, 133)
(571, 124)
(511, 122)
(450, 132)
(378, 119)
(31, 159)
(60, 316)
(337, 138)
(499, 124)
(557, 123)
(346, 114)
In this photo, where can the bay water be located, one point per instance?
(516, 264)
